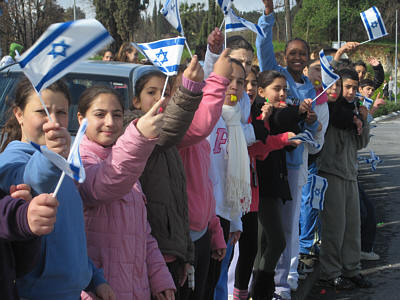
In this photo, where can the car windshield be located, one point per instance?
(76, 83)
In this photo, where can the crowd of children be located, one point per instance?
(174, 182)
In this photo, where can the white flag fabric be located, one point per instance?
(236, 23)
(164, 54)
(318, 188)
(59, 48)
(328, 74)
(367, 101)
(170, 11)
(373, 23)
(72, 166)
(225, 5)
(307, 137)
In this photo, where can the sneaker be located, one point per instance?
(305, 268)
(360, 281)
(339, 283)
(369, 256)
(283, 295)
(292, 282)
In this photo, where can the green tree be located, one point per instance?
(23, 21)
(69, 13)
(120, 17)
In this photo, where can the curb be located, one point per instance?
(381, 118)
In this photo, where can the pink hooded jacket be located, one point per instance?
(118, 233)
(195, 152)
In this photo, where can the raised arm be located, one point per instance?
(379, 73)
(265, 48)
(117, 173)
(181, 109)
(210, 108)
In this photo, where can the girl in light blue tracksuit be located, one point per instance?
(299, 89)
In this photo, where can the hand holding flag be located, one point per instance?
(235, 23)
(328, 75)
(72, 166)
(306, 137)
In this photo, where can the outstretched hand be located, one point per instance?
(350, 46)
(373, 61)
(269, 6)
(223, 66)
(150, 124)
(215, 41)
(194, 71)
(57, 138)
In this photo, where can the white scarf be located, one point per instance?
(237, 183)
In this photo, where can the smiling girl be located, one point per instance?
(299, 88)
(64, 269)
(118, 233)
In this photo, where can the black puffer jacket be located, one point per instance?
(272, 172)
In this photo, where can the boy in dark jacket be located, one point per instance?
(22, 221)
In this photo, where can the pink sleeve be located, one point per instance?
(209, 110)
(159, 276)
(216, 234)
(115, 176)
(274, 142)
(87, 296)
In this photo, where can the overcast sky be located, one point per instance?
(241, 5)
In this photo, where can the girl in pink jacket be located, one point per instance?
(119, 237)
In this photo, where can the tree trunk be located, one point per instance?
(288, 21)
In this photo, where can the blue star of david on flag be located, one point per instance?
(318, 186)
(165, 59)
(373, 23)
(59, 49)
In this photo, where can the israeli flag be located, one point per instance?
(170, 11)
(59, 48)
(165, 54)
(328, 74)
(72, 166)
(317, 194)
(367, 101)
(373, 23)
(236, 23)
(374, 160)
(307, 137)
(225, 5)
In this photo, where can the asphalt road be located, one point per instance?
(383, 186)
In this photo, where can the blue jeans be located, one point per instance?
(309, 218)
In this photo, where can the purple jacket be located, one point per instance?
(19, 247)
